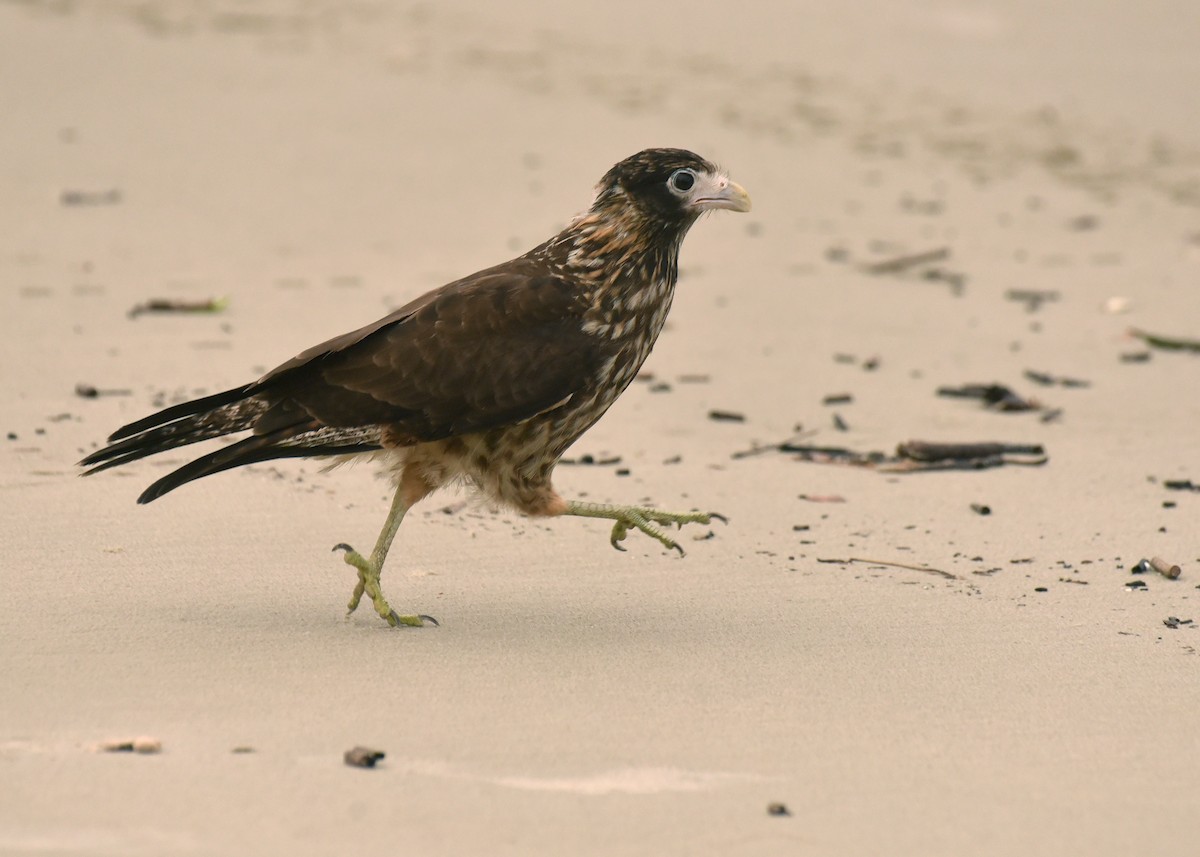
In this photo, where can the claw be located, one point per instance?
(619, 531)
(394, 619)
(342, 546)
(643, 519)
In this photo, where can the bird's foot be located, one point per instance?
(368, 582)
(641, 518)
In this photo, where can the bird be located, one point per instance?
(486, 380)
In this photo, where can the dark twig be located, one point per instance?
(1169, 343)
(899, 264)
(903, 565)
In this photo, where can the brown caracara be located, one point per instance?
(487, 379)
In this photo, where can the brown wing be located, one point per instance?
(494, 348)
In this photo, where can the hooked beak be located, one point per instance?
(720, 192)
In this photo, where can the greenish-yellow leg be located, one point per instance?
(369, 569)
(640, 518)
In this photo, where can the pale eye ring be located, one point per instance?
(681, 181)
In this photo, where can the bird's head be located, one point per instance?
(670, 186)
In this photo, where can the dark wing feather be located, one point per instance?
(495, 348)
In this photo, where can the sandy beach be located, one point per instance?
(868, 659)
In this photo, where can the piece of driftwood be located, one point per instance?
(914, 456)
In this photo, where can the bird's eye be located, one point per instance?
(681, 181)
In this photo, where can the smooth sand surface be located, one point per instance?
(318, 164)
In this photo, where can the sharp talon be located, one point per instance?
(394, 619)
(718, 517)
(614, 543)
(342, 546)
(678, 548)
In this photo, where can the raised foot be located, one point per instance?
(641, 518)
(368, 582)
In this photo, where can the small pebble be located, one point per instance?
(142, 744)
(362, 757)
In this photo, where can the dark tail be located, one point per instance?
(179, 425)
(291, 442)
(215, 416)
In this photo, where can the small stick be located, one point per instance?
(920, 450)
(1170, 343)
(903, 263)
(923, 568)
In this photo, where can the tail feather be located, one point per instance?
(225, 413)
(190, 422)
(248, 451)
(185, 409)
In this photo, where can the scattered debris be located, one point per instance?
(1168, 343)
(900, 264)
(693, 379)
(915, 455)
(997, 397)
(980, 509)
(838, 399)
(1048, 380)
(112, 196)
(1157, 563)
(242, 750)
(1116, 305)
(591, 460)
(87, 391)
(362, 757)
(1174, 622)
(166, 305)
(142, 744)
(788, 445)
(1136, 357)
(778, 809)
(923, 568)
(1136, 584)
(1032, 298)
(920, 450)
(1084, 222)
(822, 498)
(726, 416)
(839, 423)
(1072, 580)
(1180, 485)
